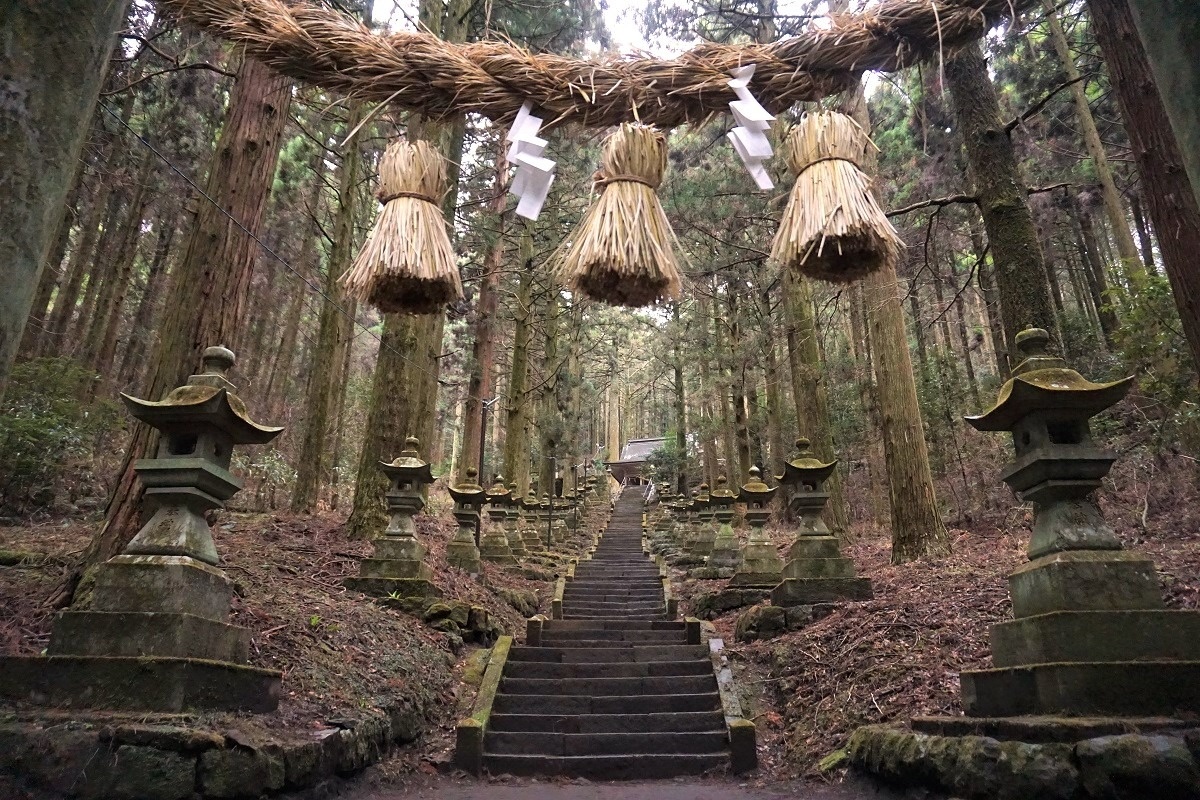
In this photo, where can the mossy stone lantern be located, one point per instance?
(759, 566)
(397, 566)
(1090, 633)
(468, 498)
(512, 517)
(494, 546)
(531, 531)
(706, 534)
(725, 554)
(815, 570)
(156, 635)
(200, 424)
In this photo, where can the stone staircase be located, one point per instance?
(613, 690)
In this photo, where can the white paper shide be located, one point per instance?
(749, 138)
(535, 173)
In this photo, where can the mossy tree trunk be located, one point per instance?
(516, 406)
(917, 527)
(405, 381)
(53, 56)
(334, 331)
(1170, 195)
(1020, 267)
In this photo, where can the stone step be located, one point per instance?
(610, 635)
(636, 654)
(611, 595)
(604, 704)
(558, 641)
(606, 669)
(615, 625)
(658, 615)
(620, 767)
(679, 722)
(610, 687)
(603, 744)
(615, 609)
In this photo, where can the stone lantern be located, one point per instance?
(530, 531)
(156, 636)
(1090, 634)
(760, 566)
(725, 554)
(494, 546)
(816, 571)
(512, 518)
(702, 544)
(468, 497)
(398, 566)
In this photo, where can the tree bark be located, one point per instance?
(917, 527)
(208, 294)
(333, 333)
(1131, 265)
(481, 381)
(516, 420)
(1170, 196)
(1020, 268)
(53, 54)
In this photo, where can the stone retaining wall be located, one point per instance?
(172, 762)
(1160, 766)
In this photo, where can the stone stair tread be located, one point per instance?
(610, 704)
(677, 721)
(618, 767)
(637, 653)
(609, 669)
(611, 687)
(583, 744)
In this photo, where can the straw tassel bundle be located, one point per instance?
(407, 263)
(622, 253)
(833, 229)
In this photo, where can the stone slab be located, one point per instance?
(814, 547)
(1085, 580)
(387, 587)
(801, 592)
(1097, 636)
(389, 568)
(134, 635)
(170, 685)
(1126, 688)
(171, 584)
(808, 568)
(1043, 729)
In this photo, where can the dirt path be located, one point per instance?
(459, 789)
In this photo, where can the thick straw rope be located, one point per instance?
(420, 72)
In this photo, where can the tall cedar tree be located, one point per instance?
(1174, 206)
(52, 72)
(207, 302)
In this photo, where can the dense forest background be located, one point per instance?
(209, 183)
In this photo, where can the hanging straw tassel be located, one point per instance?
(407, 263)
(622, 252)
(832, 229)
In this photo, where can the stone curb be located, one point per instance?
(468, 749)
(982, 768)
(743, 750)
(79, 759)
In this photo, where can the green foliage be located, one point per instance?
(1153, 347)
(45, 427)
(667, 461)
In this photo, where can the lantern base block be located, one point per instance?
(1129, 688)
(166, 685)
(393, 587)
(808, 591)
(139, 634)
(464, 555)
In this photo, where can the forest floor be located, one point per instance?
(886, 659)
